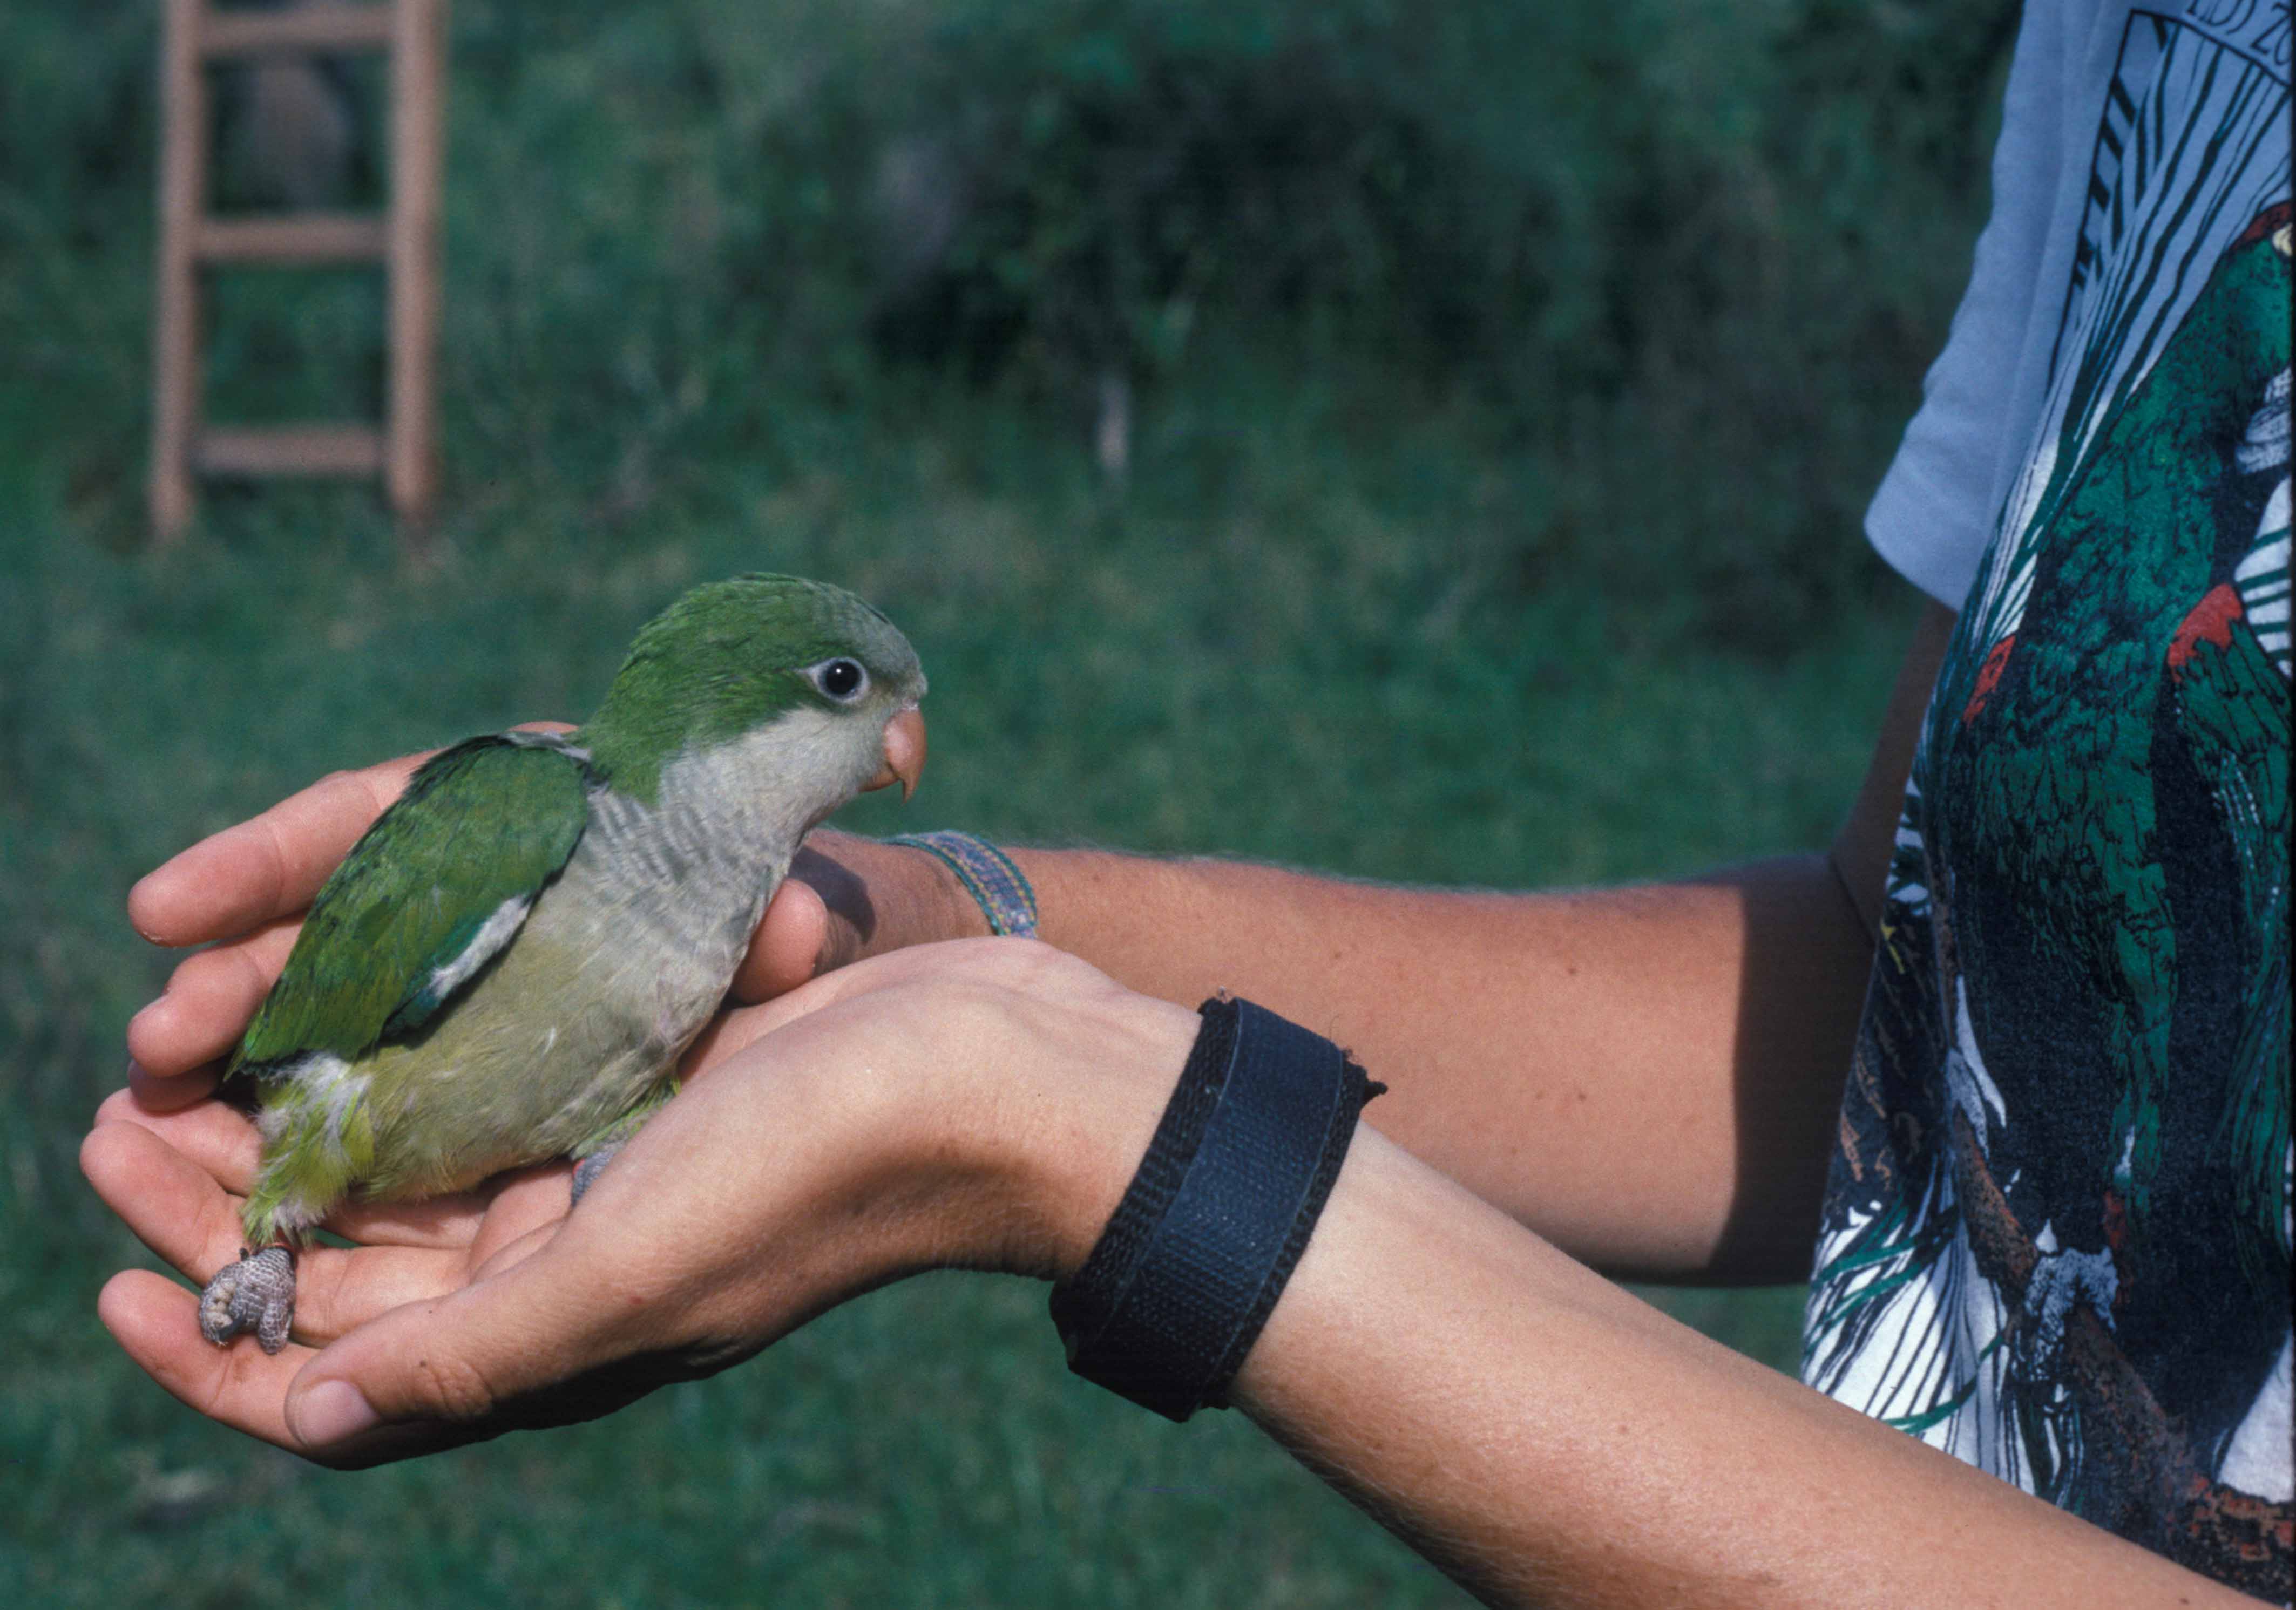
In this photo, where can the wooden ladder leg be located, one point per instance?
(176, 325)
(417, 115)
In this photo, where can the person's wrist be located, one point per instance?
(985, 875)
(942, 907)
(1070, 1167)
(877, 896)
(1012, 1090)
(914, 896)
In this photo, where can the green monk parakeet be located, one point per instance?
(506, 968)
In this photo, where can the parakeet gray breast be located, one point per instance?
(621, 961)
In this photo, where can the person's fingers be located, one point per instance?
(790, 945)
(267, 867)
(164, 1094)
(173, 1205)
(824, 917)
(215, 1136)
(221, 1142)
(156, 1321)
(517, 1205)
(176, 1208)
(208, 1001)
(339, 1289)
(474, 1222)
(509, 1253)
(507, 1351)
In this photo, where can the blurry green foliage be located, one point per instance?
(1534, 193)
(1690, 258)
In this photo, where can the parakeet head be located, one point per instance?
(731, 659)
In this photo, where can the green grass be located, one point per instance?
(1350, 612)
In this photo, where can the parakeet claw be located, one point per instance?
(2061, 1280)
(256, 1294)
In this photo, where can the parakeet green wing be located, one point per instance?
(432, 892)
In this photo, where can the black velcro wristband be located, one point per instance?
(1176, 1289)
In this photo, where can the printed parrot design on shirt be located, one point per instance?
(2057, 1234)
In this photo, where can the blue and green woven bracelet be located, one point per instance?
(987, 874)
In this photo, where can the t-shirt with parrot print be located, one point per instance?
(2056, 1233)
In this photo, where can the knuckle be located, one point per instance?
(1036, 959)
(271, 881)
(380, 785)
(376, 787)
(194, 970)
(452, 1388)
(346, 793)
(250, 976)
(1032, 967)
(226, 979)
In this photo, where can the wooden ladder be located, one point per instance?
(404, 239)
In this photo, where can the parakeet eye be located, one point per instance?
(842, 680)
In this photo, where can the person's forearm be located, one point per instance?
(1550, 1440)
(1646, 1075)
(1649, 1077)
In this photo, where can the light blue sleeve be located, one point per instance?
(1935, 509)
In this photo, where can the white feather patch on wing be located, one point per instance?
(325, 1086)
(493, 934)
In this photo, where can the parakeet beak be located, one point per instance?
(905, 752)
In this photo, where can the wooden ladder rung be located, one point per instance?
(290, 450)
(328, 25)
(402, 241)
(314, 237)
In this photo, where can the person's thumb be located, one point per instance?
(455, 1370)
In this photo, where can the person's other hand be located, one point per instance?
(978, 1104)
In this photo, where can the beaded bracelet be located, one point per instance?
(987, 874)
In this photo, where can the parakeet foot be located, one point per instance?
(586, 1172)
(592, 1157)
(256, 1294)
